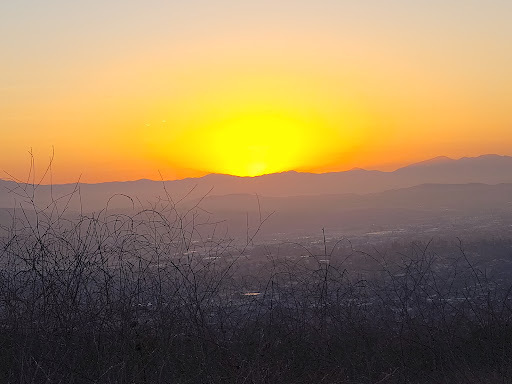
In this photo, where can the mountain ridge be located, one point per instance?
(432, 161)
(486, 169)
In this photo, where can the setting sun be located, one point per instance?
(255, 145)
(248, 123)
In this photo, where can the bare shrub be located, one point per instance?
(145, 297)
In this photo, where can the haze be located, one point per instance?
(272, 191)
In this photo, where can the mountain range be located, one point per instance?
(434, 191)
(487, 169)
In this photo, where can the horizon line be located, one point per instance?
(421, 162)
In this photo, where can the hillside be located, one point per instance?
(488, 169)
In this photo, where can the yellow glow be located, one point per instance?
(246, 144)
(255, 145)
(248, 123)
(252, 143)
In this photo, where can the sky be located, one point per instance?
(124, 90)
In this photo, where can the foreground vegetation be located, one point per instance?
(149, 298)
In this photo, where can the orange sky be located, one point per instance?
(126, 90)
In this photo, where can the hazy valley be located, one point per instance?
(285, 277)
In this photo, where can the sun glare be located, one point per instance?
(253, 145)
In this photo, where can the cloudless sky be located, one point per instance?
(125, 89)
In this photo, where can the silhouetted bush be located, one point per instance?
(146, 298)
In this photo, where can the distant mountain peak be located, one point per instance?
(356, 169)
(490, 156)
(435, 160)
